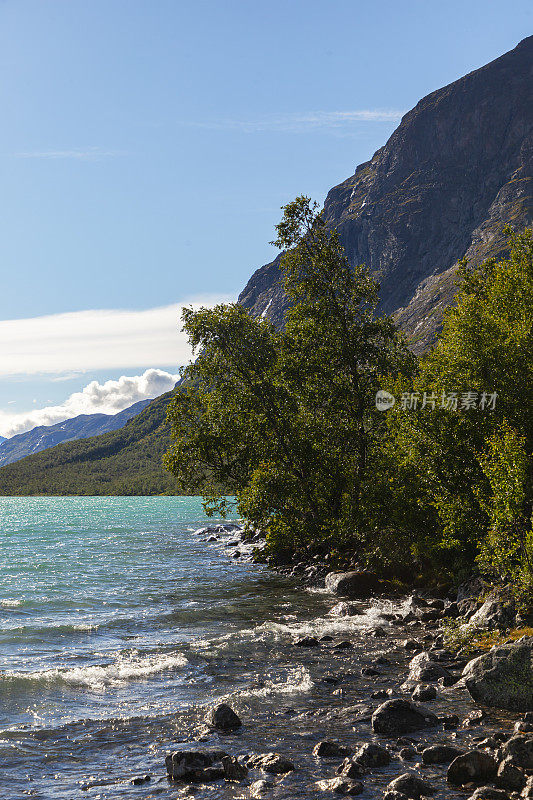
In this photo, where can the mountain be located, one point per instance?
(2, 439)
(455, 172)
(81, 427)
(122, 462)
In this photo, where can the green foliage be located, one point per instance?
(472, 467)
(285, 419)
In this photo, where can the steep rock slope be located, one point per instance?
(80, 427)
(457, 169)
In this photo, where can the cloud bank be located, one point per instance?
(96, 340)
(96, 398)
(300, 122)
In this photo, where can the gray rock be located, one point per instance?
(372, 755)
(520, 750)
(411, 785)
(394, 795)
(307, 641)
(276, 764)
(357, 583)
(183, 764)
(424, 692)
(423, 668)
(494, 613)
(341, 786)
(223, 718)
(472, 767)
(510, 776)
(396, 717)
(489, 793)
(440, 754)
(233, 769)
(351, 768)
(503, 677)
(331, 749)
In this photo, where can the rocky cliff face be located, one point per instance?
(457, 170)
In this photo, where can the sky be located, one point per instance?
(147, 148)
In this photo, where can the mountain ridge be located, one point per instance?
(433, 195)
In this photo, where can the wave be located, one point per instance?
(7, 603)
(101, 676)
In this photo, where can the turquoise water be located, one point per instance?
(117, 623)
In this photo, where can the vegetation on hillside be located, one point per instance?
(124, 462)
(287, 420)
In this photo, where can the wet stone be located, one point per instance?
(424, 692)
(331, 749)
(307, 641)
(472, 767)
(341, 785)
(395, 717)
(411, 785)
(233, 769)
(223, 718)
(440, 754)
(351, 768)
(372, 755)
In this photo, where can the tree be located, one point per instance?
(473, 464)
(285, 420)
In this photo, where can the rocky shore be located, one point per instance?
(395, 712)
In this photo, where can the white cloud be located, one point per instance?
(96, 398)
(78, 154)
(298, 122)
(96, 340)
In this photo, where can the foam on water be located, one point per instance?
(98, 677)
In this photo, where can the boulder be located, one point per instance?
(394, 795)
(372, 755)
(503, 677)
(275, 764)
(424, 692)
(472, 767)
(423, 668)
(510, 776)
(411, 785)
(489, 793)
(494, 613)
(233, 769)
(351, 768)
(357, 583)
(223, 718)
(440, 754)
(396, 717)
(341, 786)
(331, 749)
(307, 641)
(184, 764)
(520, 750)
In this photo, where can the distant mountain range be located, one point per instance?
(81, 427)
(456, 171)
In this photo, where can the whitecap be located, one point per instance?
(98, 677)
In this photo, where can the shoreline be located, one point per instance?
(396, 658)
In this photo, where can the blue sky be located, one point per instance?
(147, 147)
